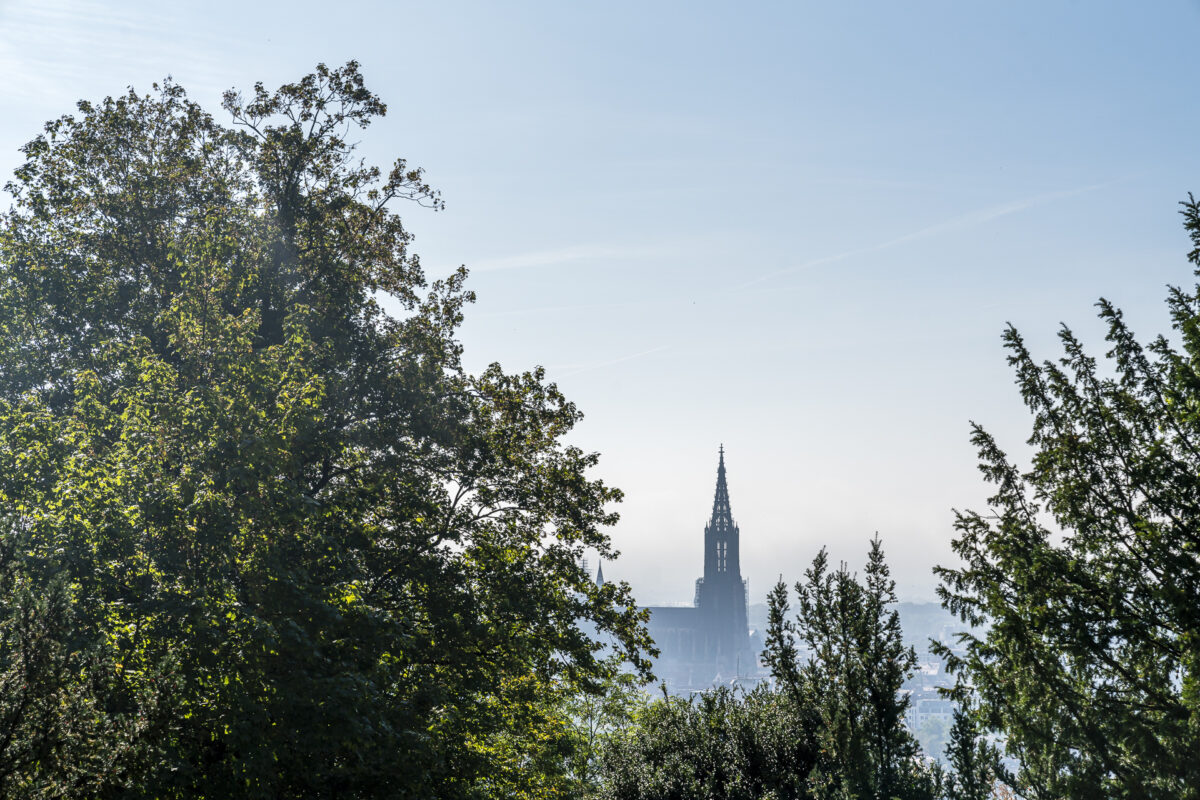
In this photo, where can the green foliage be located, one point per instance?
(557, 733)
(719, 745)
(974, 764)
(259, 537)
(56, 739)
(832, 727)
(597, 718)
(852, 681)
(1085, 569)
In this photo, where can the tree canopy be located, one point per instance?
(832, 726)
(851, 680)
(260, 537)
(1085, 568)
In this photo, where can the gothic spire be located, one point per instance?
(722, 517)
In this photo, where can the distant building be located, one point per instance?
(925, 705)
(709, 642)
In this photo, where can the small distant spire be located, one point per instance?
(600, 575)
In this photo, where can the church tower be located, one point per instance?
(721, 593)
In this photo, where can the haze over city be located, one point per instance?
(794, 229)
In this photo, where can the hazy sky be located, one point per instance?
(795, 228)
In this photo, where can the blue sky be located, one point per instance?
(795, 228)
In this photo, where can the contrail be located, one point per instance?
(566, 255)
(954, 223)
(610, 362)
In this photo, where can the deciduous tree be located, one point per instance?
(720, 745)
(287, 545)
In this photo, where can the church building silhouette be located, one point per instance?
(709, 642)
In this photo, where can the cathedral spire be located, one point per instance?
(722, 517)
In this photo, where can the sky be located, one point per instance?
(796, 229)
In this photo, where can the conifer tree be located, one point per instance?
(1084, 572)
(974, 764)
(832, 728)
(852, 680)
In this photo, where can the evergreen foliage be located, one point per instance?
(852, 680)
(974, 764)
(258, 536)
(1086, 569)
(831, 729)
